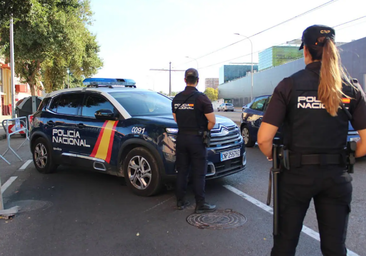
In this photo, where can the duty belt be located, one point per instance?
(189, 132)
(297, 160)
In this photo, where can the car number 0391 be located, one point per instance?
(137, 130)
(230, 154)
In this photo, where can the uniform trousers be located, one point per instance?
(331, 189)
(191, 157)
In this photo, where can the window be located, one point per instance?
(68, 104)
(259, 103)
(95, 102)
(144, 103)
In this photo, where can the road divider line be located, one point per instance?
(268, 209)
(25, 165)
(8, 183)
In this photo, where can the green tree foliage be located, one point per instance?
(52, 40)
(212, 94)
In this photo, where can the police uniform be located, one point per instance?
(190, 107)
(316, 143)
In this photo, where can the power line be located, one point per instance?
(278, 44)
(281, 23)
(344, 23)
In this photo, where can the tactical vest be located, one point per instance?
(309, 128)
(189, 118)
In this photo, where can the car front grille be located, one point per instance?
(225, 137)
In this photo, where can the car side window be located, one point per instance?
(95, 102)
(259, 104)
(67, 104)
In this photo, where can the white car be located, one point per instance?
(226, 107)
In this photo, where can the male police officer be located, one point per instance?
(194, 115)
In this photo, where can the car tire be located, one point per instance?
(138, 161)
(42, 156)
(248, 141)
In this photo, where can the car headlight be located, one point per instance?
(172, 130)
(172, 133)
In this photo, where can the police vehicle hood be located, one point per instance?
(168, 120)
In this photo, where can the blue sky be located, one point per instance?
(138, 35)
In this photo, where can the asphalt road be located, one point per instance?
(77, 212)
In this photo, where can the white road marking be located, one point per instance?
(268, 209)
(25, 165)
(8, 183)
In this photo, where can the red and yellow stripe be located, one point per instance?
(103, 147)
(346, 100)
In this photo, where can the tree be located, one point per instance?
(51, 40)
(211, 93)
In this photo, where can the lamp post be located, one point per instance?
(251, 50)
(193, 59)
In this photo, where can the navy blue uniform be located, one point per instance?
(310, 130)
(190, 107)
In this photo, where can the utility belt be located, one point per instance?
(190, 132)
(206, 135)
(290, 160)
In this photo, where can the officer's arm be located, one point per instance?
(361, 144)
(175, 117)
(265, 136)
(211, 120)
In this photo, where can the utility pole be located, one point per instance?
(12, 68)
(170, 75)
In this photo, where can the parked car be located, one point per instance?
(226, 107)
(123, 131)
(252, 118)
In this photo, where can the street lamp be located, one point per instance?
(251, 47)
(193, 59)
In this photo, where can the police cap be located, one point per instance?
(311, 35)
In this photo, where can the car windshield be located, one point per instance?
(229, 104)
(144, 103)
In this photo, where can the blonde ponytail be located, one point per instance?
(330, 86)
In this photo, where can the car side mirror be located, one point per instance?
(105, 114)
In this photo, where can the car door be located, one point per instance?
(98, 132)
(61, 124)
(254, 113)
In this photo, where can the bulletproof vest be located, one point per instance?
(189, 118)
(309, 128)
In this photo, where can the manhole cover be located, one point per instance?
(30, 205)
(220, 219)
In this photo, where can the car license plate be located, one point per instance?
(230, 154)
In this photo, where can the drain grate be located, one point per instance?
(220, 219)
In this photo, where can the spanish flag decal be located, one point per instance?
(346, 100)
(103, 147)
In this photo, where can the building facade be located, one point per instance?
(278, 55)
(232, 72)
(211, 83)
(353, 56)
(21, 90)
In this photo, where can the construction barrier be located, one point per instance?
(13, 126)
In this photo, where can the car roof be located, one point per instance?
(93, 89)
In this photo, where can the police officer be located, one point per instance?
(193, 113)
(312, 106)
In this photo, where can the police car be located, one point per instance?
(118, 129)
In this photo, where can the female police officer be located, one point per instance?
(312, 106)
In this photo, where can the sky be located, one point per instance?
(138, 36)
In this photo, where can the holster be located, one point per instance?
(206, 137)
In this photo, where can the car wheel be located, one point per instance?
(42, 156)
(248, 141)
(141, 172)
